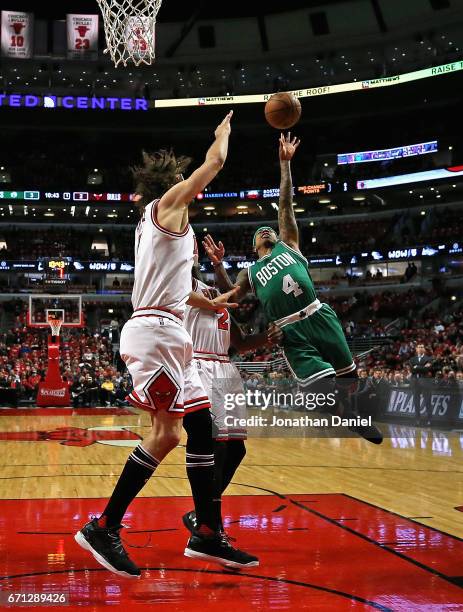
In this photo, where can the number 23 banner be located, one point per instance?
(17, 34)
(82, 34)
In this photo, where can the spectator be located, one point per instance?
(421, 365)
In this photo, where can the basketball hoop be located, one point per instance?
(55, 324)
(129, 28)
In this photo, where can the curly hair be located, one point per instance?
(157, 174)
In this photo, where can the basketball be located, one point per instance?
(283, 110)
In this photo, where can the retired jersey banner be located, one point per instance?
(17, 34)
(82, 36)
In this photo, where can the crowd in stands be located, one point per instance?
(20, 243)
(87, 364)
(317, 237)
(88, 356)
(95, 377)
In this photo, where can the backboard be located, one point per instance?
(68, 307)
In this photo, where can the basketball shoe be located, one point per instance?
(216, 548)
(105, 545)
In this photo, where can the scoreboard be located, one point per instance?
(74, 196)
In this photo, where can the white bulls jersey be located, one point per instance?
(163, 262)
(209, 330)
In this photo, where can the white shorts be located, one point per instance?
(219, 379)
(158, 353)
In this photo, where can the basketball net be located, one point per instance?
(129, 28)
(55, 325)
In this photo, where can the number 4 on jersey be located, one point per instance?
(290, 286)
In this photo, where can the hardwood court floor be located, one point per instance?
(338, 524)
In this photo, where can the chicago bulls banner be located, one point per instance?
(17, 34)
(82, 35)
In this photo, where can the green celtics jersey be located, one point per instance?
(282, 282)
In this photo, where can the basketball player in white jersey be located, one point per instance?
(212, 333)
(158, 353)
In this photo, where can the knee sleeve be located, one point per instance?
(198, 426)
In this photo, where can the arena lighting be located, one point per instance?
(209, 208)
(324, 201)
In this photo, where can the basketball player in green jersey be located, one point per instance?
(314, 343)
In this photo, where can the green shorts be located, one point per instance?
(316, 347)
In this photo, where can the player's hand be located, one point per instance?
(274, 334)
(287, 146)
(222, 300)
(225, 126)
(214, 252)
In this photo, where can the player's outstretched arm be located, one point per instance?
(288, 230)
(182, 194)
(216, 254)
(199, 300)
(249, 342)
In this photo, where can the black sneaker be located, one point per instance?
(369, 432)
(106, 546)
(217, 549)
(190, 522)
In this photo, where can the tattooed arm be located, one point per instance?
(288, 230)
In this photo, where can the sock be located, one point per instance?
(346, 386)
(236, 451)
(136, 473)
(200, 467)
(220, 453)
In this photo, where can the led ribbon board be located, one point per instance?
(114, 103)
(324, 90)
(414, 177)
(387, 154)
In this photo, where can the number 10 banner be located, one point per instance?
(17, 34)
(82, 35)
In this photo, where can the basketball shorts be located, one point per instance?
(223, 384)
(316, 347)
(158, 353)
